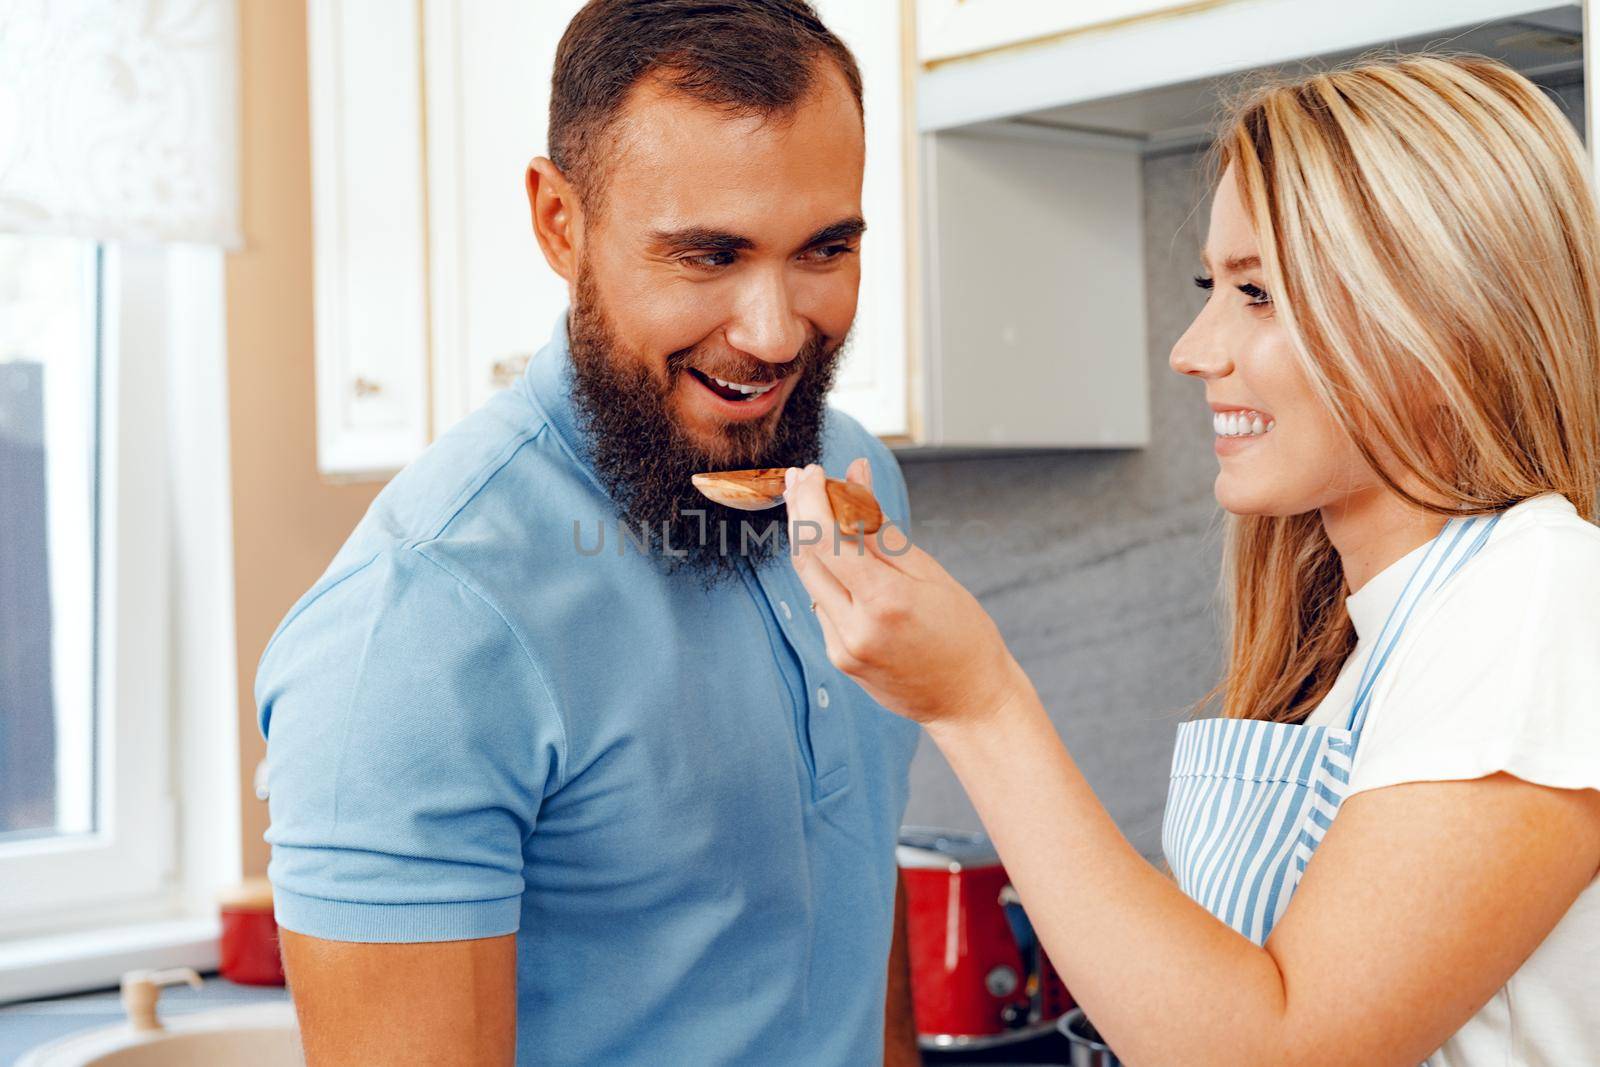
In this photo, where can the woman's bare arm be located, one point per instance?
(1422, 900)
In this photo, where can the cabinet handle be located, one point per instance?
(508, 369)
(365, 387)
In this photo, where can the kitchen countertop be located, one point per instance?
(32, 1023)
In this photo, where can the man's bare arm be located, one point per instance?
(443, 1002)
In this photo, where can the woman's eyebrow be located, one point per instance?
(1233, 264)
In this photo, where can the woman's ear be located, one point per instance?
(557, 216)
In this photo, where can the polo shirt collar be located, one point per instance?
(548, 384)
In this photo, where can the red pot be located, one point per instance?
(978, 975)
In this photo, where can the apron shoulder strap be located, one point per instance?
(1458, 542)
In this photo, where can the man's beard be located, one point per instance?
(644, 459)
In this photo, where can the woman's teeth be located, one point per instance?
(1241, 423)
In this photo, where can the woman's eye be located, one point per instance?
(1258, 296)
(1205, 283)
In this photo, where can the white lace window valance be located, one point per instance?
(119, 119)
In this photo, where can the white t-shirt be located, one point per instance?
(1499, 671)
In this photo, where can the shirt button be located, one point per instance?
(783, 609)
(822, 696)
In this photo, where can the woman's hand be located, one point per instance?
(893, 619)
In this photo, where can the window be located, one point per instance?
(86, 813)
(118, 194)
(49, 438)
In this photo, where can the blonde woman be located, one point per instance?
(1399, 351)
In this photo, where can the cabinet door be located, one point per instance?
(494, 299)
(368, 234)
(369, 228)
(874, 378)
(950, 28)
(1036, 310)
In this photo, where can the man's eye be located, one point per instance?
(709, 260)
(824, 253)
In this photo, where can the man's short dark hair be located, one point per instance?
(748, 56)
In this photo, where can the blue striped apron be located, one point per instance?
(1249, 800)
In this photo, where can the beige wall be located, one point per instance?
(288, 522)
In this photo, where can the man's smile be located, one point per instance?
(738, 401)
(735, 390)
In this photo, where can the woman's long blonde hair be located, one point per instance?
(1429, 234)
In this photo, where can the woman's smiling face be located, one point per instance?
(1281, 451)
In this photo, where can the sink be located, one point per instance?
(254, 1035)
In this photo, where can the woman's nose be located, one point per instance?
(1200, 353)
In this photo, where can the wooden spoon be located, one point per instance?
(854, 506)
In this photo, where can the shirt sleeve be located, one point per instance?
(410, 743)
(1502, 674)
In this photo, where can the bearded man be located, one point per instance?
(560, 771)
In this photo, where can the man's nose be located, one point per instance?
(766, 324)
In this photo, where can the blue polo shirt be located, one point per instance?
(479, 725)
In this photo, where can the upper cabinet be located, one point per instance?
(1034, 283)
(874, 381)
(369, 219)
(494, 300)
(1134, 47)
(947, 29)
(1035, 120)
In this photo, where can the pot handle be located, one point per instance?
(1028, 948)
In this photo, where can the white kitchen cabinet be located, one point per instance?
(369, 235)
(430, 288)
(1035, 293)
(1193, 44)
(432, 292)
(874, 382)
(1031, 163)
(950, 29)
(494, 299)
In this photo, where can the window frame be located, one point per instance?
(165, 657)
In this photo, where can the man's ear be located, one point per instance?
(557, 217)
